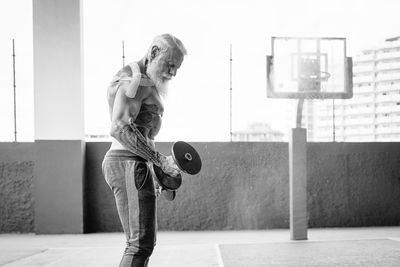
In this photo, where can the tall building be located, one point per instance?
(373, 114)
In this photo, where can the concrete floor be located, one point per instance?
(177, 248)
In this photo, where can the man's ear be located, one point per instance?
(155, 50)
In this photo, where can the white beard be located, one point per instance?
(155, 76)
(162, 89)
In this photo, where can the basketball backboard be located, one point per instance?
(309, 68)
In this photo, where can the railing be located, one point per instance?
(388, 76)
(363, 68)
(388, 108)
(363, 78)
(389, 119)
(359, 121)
(388, 65)
(383, 55)
(363, 57)
(388, 87)
(363, 89)
(389, 97)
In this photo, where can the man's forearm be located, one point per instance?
(133, 140)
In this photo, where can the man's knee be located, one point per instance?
(140, 250)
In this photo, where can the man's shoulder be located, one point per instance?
(125, 72)
(134, 83)
(129, 70)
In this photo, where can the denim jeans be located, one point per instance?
(131, 181)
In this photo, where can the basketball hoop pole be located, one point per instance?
(298, 178)
(299, 112)
(296, 68)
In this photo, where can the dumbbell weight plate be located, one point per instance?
(186, 157)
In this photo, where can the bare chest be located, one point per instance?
(152, 102)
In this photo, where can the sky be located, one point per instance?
(198, 106)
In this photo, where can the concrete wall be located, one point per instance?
(354, 184)
(16, 187)
(241, 186)
(246, 186)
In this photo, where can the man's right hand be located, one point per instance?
(168, 166)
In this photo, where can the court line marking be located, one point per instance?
(219, 256)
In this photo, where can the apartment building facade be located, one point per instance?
(373, 114)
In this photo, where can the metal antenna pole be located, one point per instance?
(230, 90)
(123, 54)
(15, 98)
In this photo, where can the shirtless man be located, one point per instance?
(135, 98)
